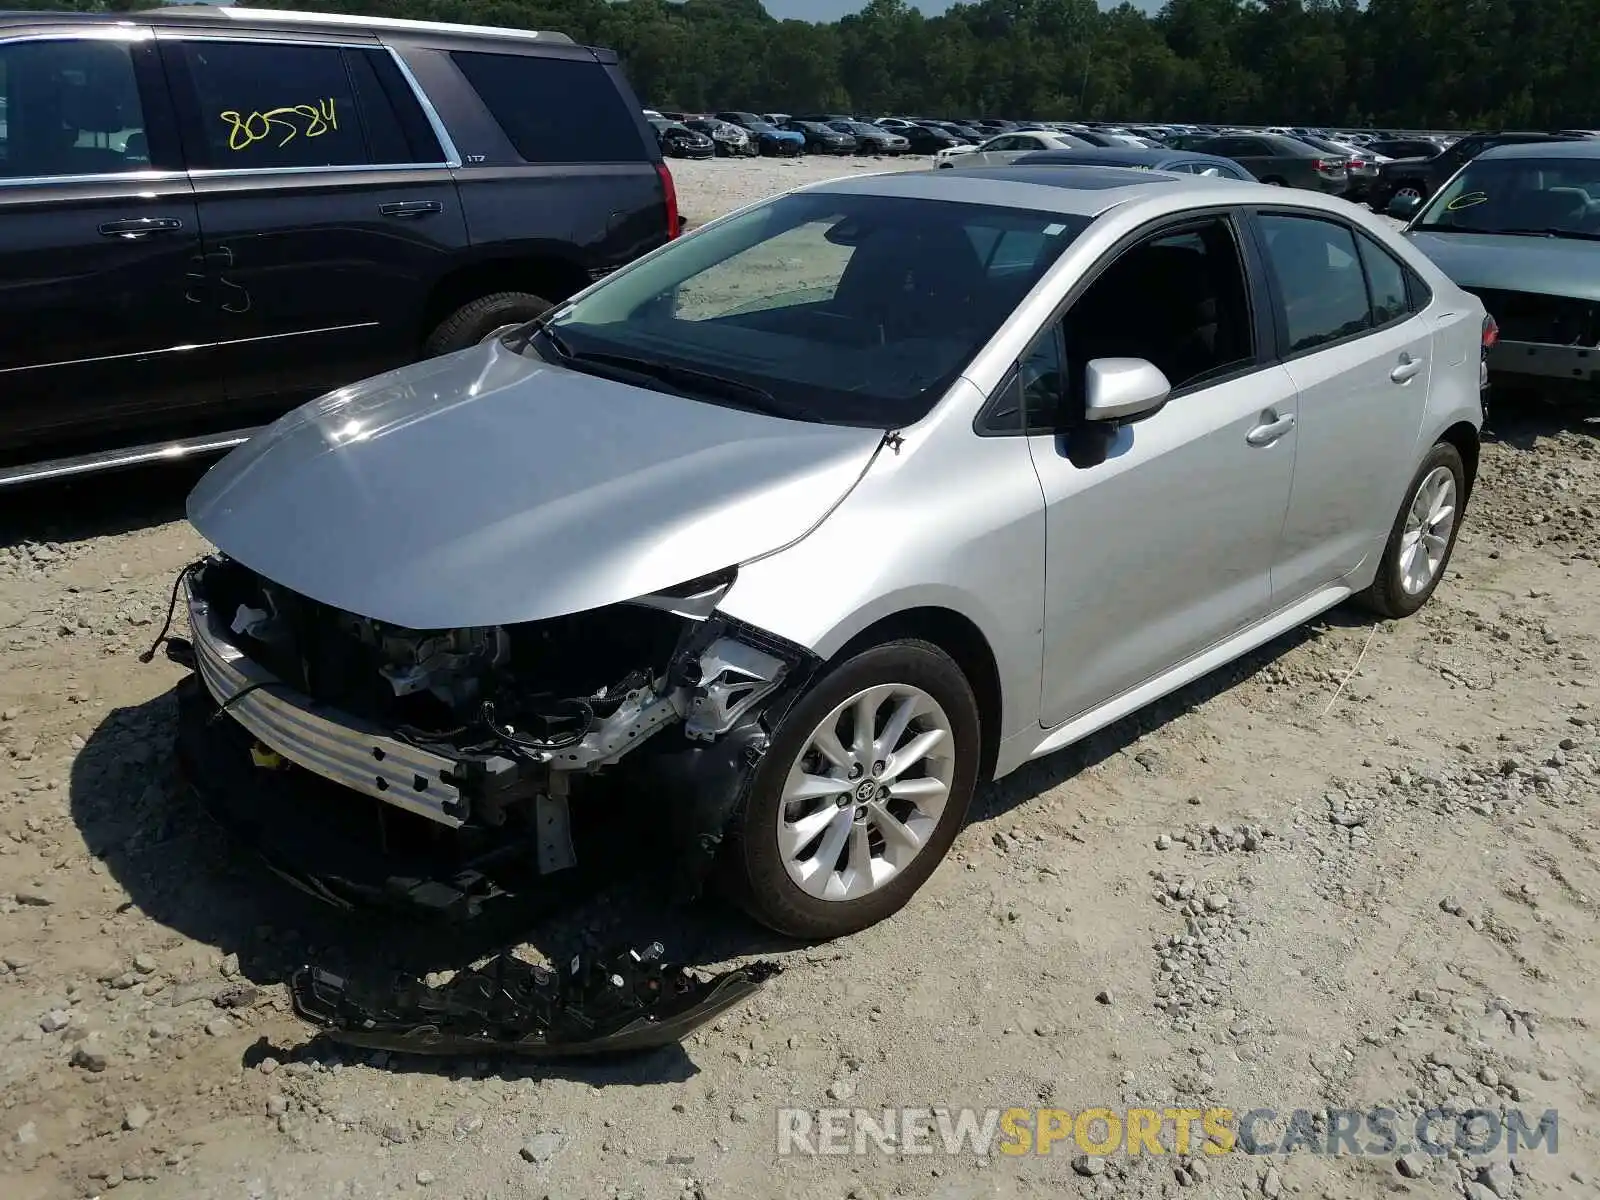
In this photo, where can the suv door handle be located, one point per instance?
(138, 227)
(1270, 431)
(1408, 367)
(411, 208)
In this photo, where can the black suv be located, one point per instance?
(212, 214)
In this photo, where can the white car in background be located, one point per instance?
(1005, 148)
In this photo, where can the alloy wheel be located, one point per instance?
(1429, 522)
(866, 792)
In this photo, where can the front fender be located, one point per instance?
(949, 520)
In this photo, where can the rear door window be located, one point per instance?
(260, 105)
(1320, 280)
(554, 110)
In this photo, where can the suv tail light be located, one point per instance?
(671, 189)
(1491, 334)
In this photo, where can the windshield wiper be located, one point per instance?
(1441, 227)
(1552, 232)
(687, 380)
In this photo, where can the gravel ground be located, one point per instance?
(1357, 869)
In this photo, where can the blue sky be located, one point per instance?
(830, 10)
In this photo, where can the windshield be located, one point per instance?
(1558, 197)
(837, 308)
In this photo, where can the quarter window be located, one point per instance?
(554, 110)
(1319, 276)
(70, 108)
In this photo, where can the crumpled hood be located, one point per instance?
(1512, 263)
(487, 488)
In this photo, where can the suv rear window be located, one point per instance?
(554, 110)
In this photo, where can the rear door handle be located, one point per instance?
(1270, 431)
(1408, 367)
(411, 208)
(138, 227)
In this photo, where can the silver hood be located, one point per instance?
(488, 488)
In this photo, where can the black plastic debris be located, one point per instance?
(634, 1001)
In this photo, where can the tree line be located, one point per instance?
(1405, 63)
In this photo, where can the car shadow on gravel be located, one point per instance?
(97, 506)
(184, 872)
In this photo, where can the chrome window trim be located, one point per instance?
(100, 177)
(447, 146)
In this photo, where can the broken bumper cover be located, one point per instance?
(634, 1002)
(343, 848)
(333, 744)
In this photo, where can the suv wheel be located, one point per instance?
(1422, 538)
(473, 322)
(865, 785)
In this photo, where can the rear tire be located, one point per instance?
(1419, 547)
(473, 322)
(761, 873)
(1275, 182)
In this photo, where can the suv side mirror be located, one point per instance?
(1123, 389)
(1402, 207)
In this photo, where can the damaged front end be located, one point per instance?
(456, 757)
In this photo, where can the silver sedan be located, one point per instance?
(825, 514)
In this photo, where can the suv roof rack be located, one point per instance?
(398, 24)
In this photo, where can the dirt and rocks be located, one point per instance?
(1357, 870)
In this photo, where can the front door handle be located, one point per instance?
(1270, 431)
(1408, 367)
(138, 227)
(411, 208)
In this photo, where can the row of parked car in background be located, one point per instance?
(1371, 165)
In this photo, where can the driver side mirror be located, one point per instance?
(1120, 390)
(1402, 207)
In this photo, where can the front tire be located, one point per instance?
(1422, 537)
(473, 322)
(865, 785)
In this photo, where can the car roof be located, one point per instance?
(1121, 156)
(1074, 191)
(1576, 148)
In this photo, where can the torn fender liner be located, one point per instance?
(633, 1002)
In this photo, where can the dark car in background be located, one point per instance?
(873, 139)
(1279, 160)
(1519, 227)
(1415, 179)
(679, 141)
(726, 137)
(922, 139)
(1182, 162)
(1404, 147)
(770, 140)
(212, 214)
(823, 139)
